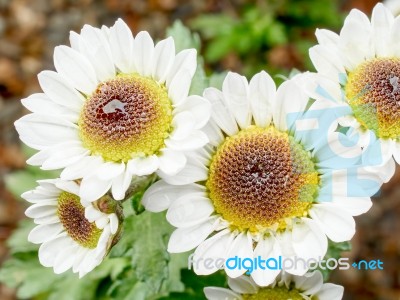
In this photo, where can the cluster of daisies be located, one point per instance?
(249, 170)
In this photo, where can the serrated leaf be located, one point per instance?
(183, 37)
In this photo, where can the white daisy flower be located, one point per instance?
(69, 239)
(286, 286)
(360, 68)
(117, 107)
(271, 184)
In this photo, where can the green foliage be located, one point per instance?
(334, 251)
(253, 29)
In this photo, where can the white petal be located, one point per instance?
(84, 167)
(40, 132)
(48, 250)
(76, 68)
(290, 103)
(235, 89)
(143, 48)
(242, 247)
(110, 170)
(171, 162)
(189, 210)
(216, 293)
(95, 47)
(64, 259)
(267, 248)
(69, 186)
(102, 222)
(337, 224)
(63, 158)
(163, 59)
(213, 248)
(330, 291)
(113, 223)
(183, 124)
(213, 133)
(326, 61)
(199, 107)
(120, 184)
(262, 91)
(160, 195)
(92, 188)
(143, 165)
(178, 89)
(243, 285)
(194, 141)
(355, 39)
(184, 60)
(40, 103)
(193, 171)
(185, 239)
(326, 37)
(43, 233)
(310, 283)
(92, 214)
(308, 240)
(381, 22)
(220, 112)
(45, 208)
(121, 44)
(75, 40)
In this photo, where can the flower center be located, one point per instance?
(276, 293)
(72, 217)
(261, 176)
(373, 92)
(126, 117)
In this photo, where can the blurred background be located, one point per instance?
(240, 35)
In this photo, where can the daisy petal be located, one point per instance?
(330, 291)
(163, 59)
(337, 224)
(189, 210)
(235, 90)
(143, 165)
(242, 247)
(216, 293)
(76, 68)
(262, 91)
(185, 239)
(308, 240)
(220, 112)
(143, 48)
(121, 44)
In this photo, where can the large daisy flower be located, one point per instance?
(360, 68)
(277, 180)
(286, 286)
(72, 233)
(117, 107)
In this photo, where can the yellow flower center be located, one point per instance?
(276, 293)
(373, 92)
(126, 117)
(72, 216)
(260, 177)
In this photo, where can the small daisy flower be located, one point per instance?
(286, 286)
(117, 107)
(261, 188)
(73, 234)
(360, 68)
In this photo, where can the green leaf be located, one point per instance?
(154, 271)
(183, 37)
(18, 242)
(200, 80)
